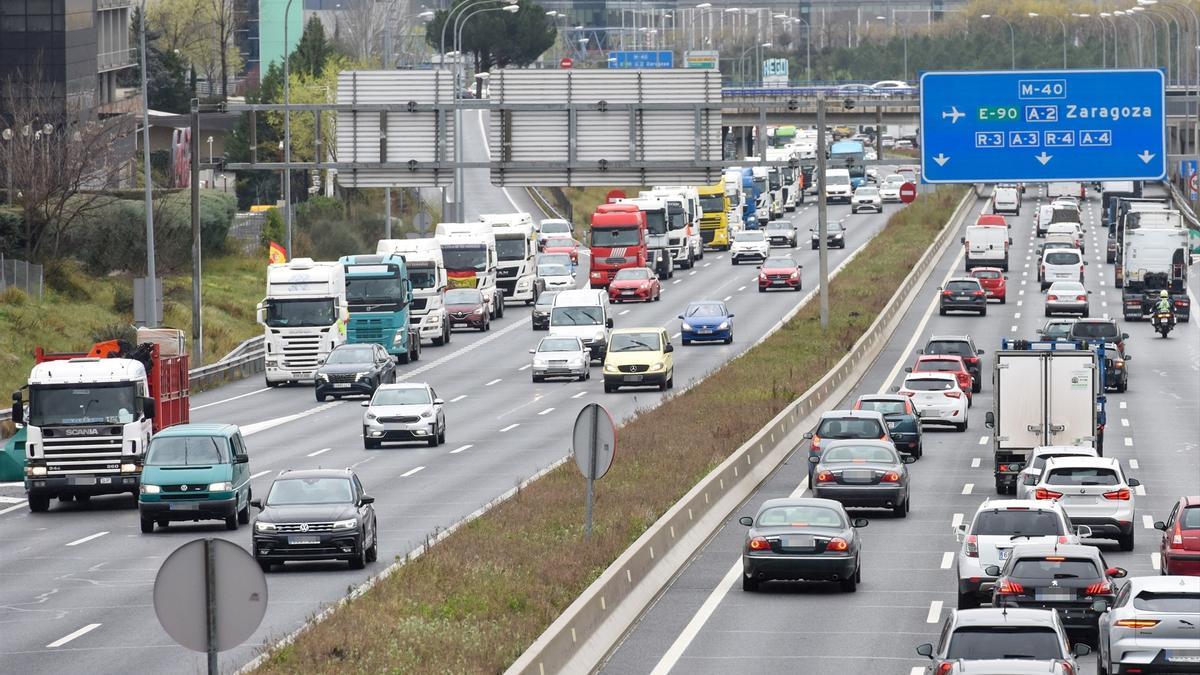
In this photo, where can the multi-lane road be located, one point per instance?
(705, 623)
(75, 591)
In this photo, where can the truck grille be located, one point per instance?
(304, 527)
(708, 234)
(636, 368)
(300, 351)
(367, 330)
(778, 277)
(418, 304)
(507, 286)
(82, 454)
(615, 261)
(507, 272)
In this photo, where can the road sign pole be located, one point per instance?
(210, 601)
(822, 213)
(593, 446)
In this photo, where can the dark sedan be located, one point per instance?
(802, 539)
(1068, 578)
(354, 369)
(466, 307)
(963, 294)
(315, 514)
(863, 473)
(835, 236)
(904, 424)
(1116, 368)
(541, 310)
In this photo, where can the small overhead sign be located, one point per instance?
(702, 59)
(641, 59)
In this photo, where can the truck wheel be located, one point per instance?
(440, 340)
(266, 565)
(39, 503)
(402, 358)
(500, 308)
(1000, 488)
(270, 384)
(147, 525)
(243, 516)
(416, 349)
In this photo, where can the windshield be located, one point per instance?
(1066, 287)
(859, 453)
(866, 191)
(463, 296)
(940, 365)
(849, 427)
(706, 309)
(552, 227)
(986, 274)
(575, 316)
(760, 184)
(553, 271)
(1082, 476)
(634, 273)
(1054, 567)
(511, 248)
(554, 259)
(402, 396)
(962, 286)
(423, 277)
(289, 491)
(922, 384)
(94, 404)
(616, 236)
(1009, 523)
(1062, 258)
(894, 180)
(465, 257)
(352, 354)
(948, 347)
(837, 178)
(380, 289)
(656, 222)
(884, 407)
(634, 342)
(1003, 642)
(773, 179)
(560, 242)
(749, 235)
(546, 299)
(801, 516)
(780, 225)
(559, 345)
(187, 451)
(1167, 603)
(299, 313)
(1098, 329)
(779, 262)
(1058, 329)
(678, 219)
(712, 204)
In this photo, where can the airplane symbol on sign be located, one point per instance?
(953, 114)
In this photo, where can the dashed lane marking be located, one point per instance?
(935, 612)
(319, 452)
(88, 538)
(947, 559)
(460, 448)
(412, 472)
(71, 636)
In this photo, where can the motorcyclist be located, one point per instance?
(1164, 306)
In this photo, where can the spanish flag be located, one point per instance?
(276, 254)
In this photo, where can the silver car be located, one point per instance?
(408, 411)
(1153, 626)
(1067, 297)
(1029, 476)
(561, 356)
(976, 637)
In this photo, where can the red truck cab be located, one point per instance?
(618, 241)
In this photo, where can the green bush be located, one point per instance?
(11, 224)
(62, 277)
(123, 299)
(273, 229)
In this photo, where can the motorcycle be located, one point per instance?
(1164, 322)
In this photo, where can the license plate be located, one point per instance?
(778, 282)
(1004, 552)
(858, 476)
(341, 385)
(626, 292)
(704, 331)
(1055, 594)
(1183, 656)
(183, 506)
(304, 540)
(633, 378)
(799, 542)
(82, 480)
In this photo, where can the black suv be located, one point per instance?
(959, 345)
(316, 514)
(354, 369)
(1067, 578)
(962, 294)
(1116, 368)
(1099, 329)
(541, 310)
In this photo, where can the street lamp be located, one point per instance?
(1103, 37)
(1064, 31)
(151, 284)
(1012, 36)
(7, 136)
(1137, 28)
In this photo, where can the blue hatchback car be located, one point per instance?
(706, 320)
(904, 423)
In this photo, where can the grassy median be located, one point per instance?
(475, 601)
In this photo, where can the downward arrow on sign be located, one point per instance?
(1146, 156)
(1043, 158)
(941, 159)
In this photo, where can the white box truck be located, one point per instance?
(516, 248)
(305, 301)
(427, 272)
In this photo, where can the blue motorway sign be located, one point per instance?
(1043, 125)
(641, 59)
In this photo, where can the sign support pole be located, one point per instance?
(210, 601)
(822, 213)
(593, 446)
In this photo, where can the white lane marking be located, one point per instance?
(675, 651)
(975, 461)
(935, 612)
(917, 670)
(546, 411)
(1128, 442)
(692, 273)
(527, 366)
(1133, 464)
(1124, 405)
(1156, 560)
(487, 148)
(458, 398)
(258, 427)
(11, 500)
(706, 264)
(677, 281)
(495, 335)
(676, 335)
(88, 538)
(14, 507)
(1020, 302)
(920, 329)
(411, 472)
(1013, 329)
(582, 393)
(260, 474)
(983, 440)
(67, 638)
(459, 449)
(947, 559)
(968, 488)
(1017, 315)
(510, 427)
(227, 400)
(956, 521)
(1147, 522)
(319, 452)
(493, 382)
(1124, 422)
(361, 462)
(622, 312)
(741, 288)
(1140, 490)
(1021, 292)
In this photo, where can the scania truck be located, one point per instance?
(89, 416)
(619, 240)
(469, 251)
(379, 295)
(305, 301)
(516, 248)
(427, 272)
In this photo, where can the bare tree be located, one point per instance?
(362, 25)
(58, 158)
(226, 22)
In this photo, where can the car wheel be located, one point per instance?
(671, 380)
(359, 561)
(967, 601)
(729, 340)
(663, 386)
(816, 246)
(1123, 386)
(749, 584)
(1101, 664)
(500, 309)
(960, 427)
(583, 376)
(147, 525)
(373, 552)
(983, 312)
(536, 379)
(266, 565)
(901, 510)
(762, 290)
(231, 522)
(433, 440)
(320, 398)
(1001, 489)
(941, 311)
(608, 388)
(686, 342)
(1003, 299)
(976, 386)
(487, 325)
(369, 444)
(243, 516)
(442, 434)
(1086, 313)
(1125, 541)
(919, 451)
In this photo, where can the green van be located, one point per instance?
(195, 472)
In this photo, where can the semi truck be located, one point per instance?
(1046, 393)
(305, 301)
(619, 240)
(753, 190)
(379, 295)
(427, 272)
(469, 252)
(687, 228)
(516, 248)
(1122, 207)
(849, 155)
(714, 224)
(770, 195)
(732, 180)
(1154, 258)
(88, 418)
(658, 233)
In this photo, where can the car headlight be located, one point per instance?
(129, 467)
(657, 366)
(225, 486)
(260, 526)
(322, 377)
(361, 376)
(398, 338)
(837, 236)
(477, 311)
(687, 326)
(610, 368)
(427, 413)
(371, 416)
(345, 524)
(149, 489)
(724, 325)
(599, 337)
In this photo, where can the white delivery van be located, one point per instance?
(838, 186)
(987, 246)
(583, 313)
(1006, 200)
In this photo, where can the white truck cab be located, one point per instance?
(684, 214)
(516, 247)
(427, 272)
(305, 302)
(469, 253)
(737, 200)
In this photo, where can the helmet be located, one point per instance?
(1163, 294)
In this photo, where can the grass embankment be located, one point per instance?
(584, 202)
(78, 309)
(476, 600)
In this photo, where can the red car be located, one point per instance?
(466, 307)
(634, 283)
(1180, 546)
(991, 219)
(779, 272)
(993, 281)
(945, 363)
(563, 245)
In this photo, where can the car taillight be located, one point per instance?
(945, 667)
(1099, 588)
(1008, 587)
(1062, 539)
(825, 477)
(978, 294)
(972, 546)
(1122, 494)
(953, 394)
(890, 477)
(759, 544)
(1181, 303)
(1177, 539)
(947, 293)
(971, 359)
(1043, 493)
(906, 392)
(837, 544)
(1081, 298)
(1051, 298)
(1137, 623)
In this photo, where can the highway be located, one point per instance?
(705, 623)
(75, 582)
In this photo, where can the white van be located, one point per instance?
(987, 246)
(1061, 264)
(583, 313)
(1066, 189)
(838, 186)
(1006, 200)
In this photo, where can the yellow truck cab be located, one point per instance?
(639, 357)
(714, 221)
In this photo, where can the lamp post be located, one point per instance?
(1138, 28)
(904, 32)
(151, 293)
(1166, 39)
(1108, 17)
(1103, 37)
(287, 136)
(1064, 32)
(1135, 12)
(1195, 40)
(1012, 36)
(7, 137)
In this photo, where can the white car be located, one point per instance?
(1153, 620)
(937, 398)
(1037, 461)
(749, 245)
(1070, 232)
(866, 198)
(557, 277)
(407, 411)
(1061, 264)
(1067, 297)
(1094, 492)
(561, 356)
(1006, 200)
(556, 228)
(1041, 219)
(997, 526)
(889, 190)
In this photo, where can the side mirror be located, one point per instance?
(438, 401)
(1116, 572)
(989, 419)
(1160, 525)
(241, 459)
(1127, 357)
(1124, 336)
(731, 315)
(18, 408)
(365, 404)
(962, 240)
(860, 522)
(680, 317)
(608, 323)
(256, 503)
(1081, 649)
(808, 434)
(908, 370)
(260, 313)
(668, 348)
(147, 408)
(907, 459)
(896, 390)
(813, 459)
(920, 351)
(320, 362)
(978, 352)
(747, 521)
(1039, 331)
(1083, 531)
(992, 570)
(532, 351)
(1133, 482)
(1085, 262)
(366, 499)
(925, 649)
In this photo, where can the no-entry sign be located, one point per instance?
(566, 62)
(908, 192)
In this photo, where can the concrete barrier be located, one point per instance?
(584, 633)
